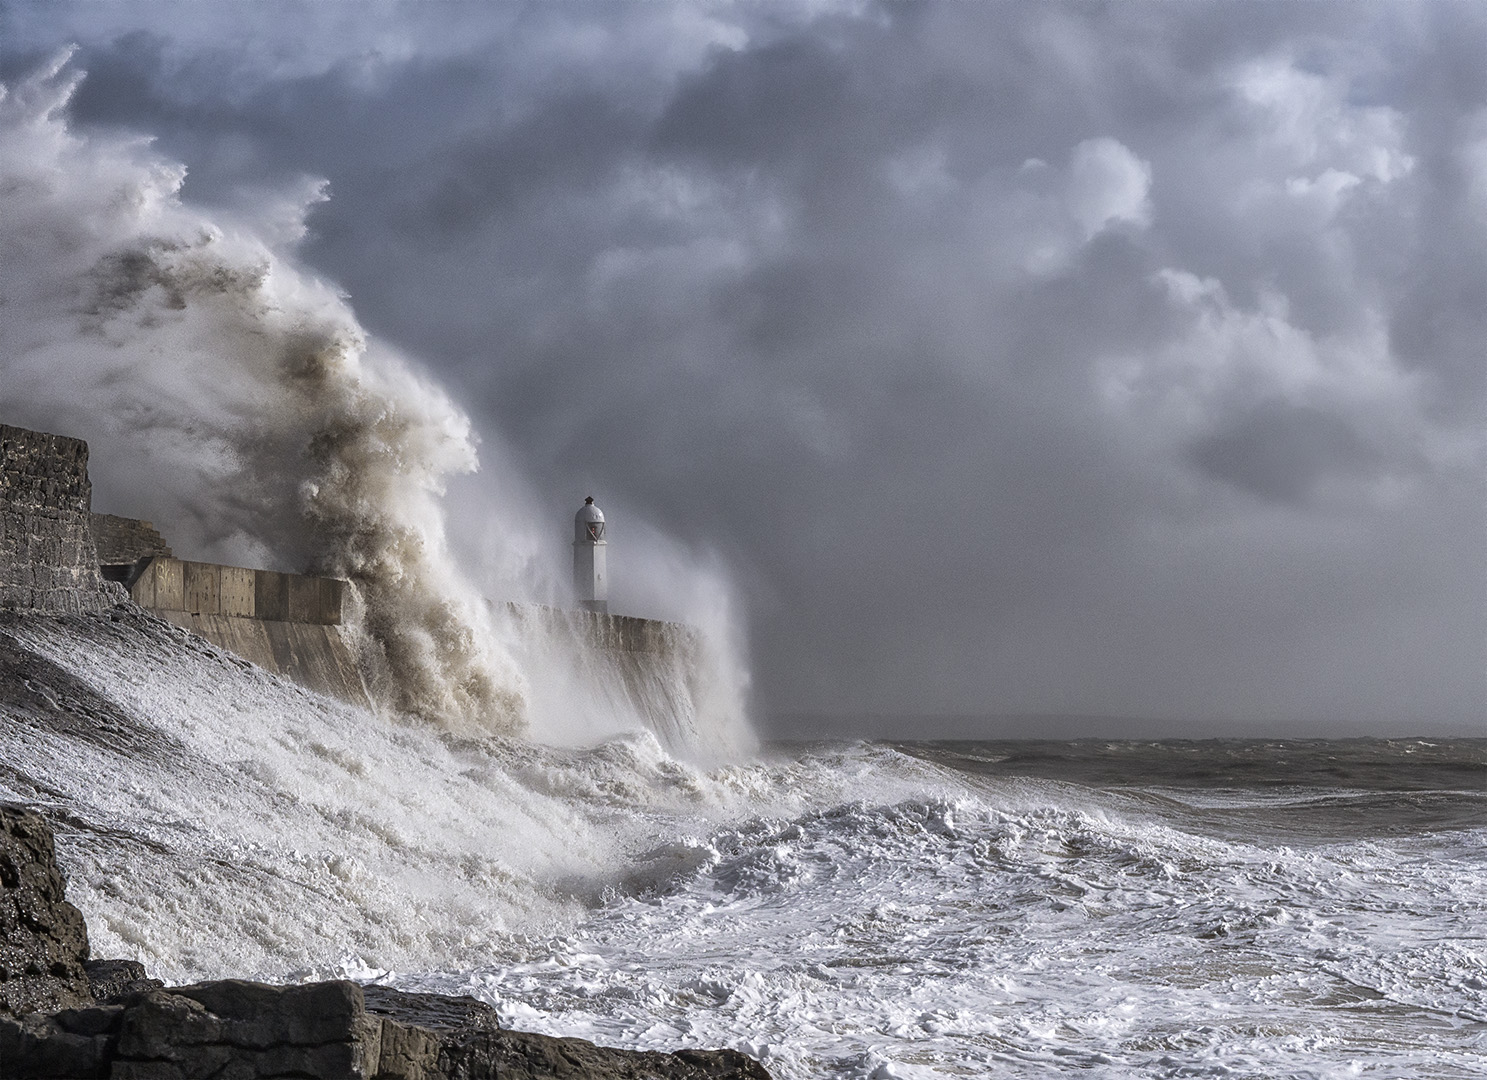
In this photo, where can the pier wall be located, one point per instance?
(643, 668)
(57, 557)
(285, 623)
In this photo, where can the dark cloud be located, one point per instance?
(1280, 451)
(1118, 360)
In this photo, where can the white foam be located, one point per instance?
(942, 937)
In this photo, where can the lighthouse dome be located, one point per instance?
(588, 523)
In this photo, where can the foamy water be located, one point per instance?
(856, 910)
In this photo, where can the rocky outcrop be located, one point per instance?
(63, 1017)
(47, 558)
(43, 939)
(320, 1031)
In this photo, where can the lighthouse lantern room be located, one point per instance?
(590, 575)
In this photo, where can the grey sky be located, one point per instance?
(1017, 358)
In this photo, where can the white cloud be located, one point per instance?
(1107, 185)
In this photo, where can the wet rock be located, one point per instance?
(111, 980)
(321, 1031)
(43, 939)
(517, 1055)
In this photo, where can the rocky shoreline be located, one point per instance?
(65, 1016)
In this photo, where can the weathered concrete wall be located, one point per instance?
(285, 623)
(613, 633)
(48, 562)
(123, 541)
(311, 654)
(644, 667)
(210, 589)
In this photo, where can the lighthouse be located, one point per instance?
(590, 575)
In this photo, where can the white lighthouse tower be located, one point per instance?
(590, 575)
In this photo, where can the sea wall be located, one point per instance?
(58, 557)
(648, 669)
(48, 562)
(167, 584)
(285, 623)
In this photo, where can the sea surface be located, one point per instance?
(1257, 908)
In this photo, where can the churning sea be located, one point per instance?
(1241, 909)
(1264, 909)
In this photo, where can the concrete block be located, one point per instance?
(169, 584)
(304, 599)
(271, 595)
(202, 588)
(238, 591)
(142, 592)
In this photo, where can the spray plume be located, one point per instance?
(270, 429)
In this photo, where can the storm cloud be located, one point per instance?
(1121, 360)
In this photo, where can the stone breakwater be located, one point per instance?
(48, 560)
(64, 1016)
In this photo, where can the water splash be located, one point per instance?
(232, 396)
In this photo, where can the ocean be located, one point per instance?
(1226, 908)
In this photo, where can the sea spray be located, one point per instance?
(216, 820)
(241, 391)
(233, 398)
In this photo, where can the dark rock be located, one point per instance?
(39, 1047)
(427, 1036)
(43, 939)
(436, 1012)
(321, 1031)
(112, 980)
(236, 1028)
(517, 1055)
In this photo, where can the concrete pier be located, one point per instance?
(57, 557)
(284, 623)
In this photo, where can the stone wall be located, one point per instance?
(48, 561)
(124, 541)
